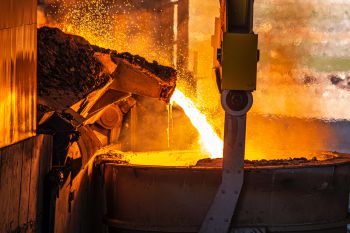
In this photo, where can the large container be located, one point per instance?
(310, 198)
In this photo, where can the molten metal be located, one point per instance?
(212, 142)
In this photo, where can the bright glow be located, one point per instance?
(154, 158)
(211, 141)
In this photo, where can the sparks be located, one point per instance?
(212, 142)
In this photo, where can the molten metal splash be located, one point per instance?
(211, 141)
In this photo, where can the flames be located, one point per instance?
(210, 140)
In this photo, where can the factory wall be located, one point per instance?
(25, 159)
(17, 70)
(183, 34)
(81, 206)
(23, 167)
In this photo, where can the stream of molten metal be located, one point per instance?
(211, 141)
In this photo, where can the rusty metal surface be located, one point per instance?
(164, 199)
(129, 78)
(17, 70)
(23, 167)
(15, 13)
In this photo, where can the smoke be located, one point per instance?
(342, 83)
(41, 17)
(303, 45)
(303, 84)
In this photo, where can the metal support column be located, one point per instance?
(219, 216)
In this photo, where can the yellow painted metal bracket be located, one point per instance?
(239, 61)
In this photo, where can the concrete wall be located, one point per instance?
(17, 70)
(22, 170)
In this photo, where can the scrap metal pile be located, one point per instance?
(85, 93)
(69, 70)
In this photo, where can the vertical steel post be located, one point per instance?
(218, 219)
(237, 18)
